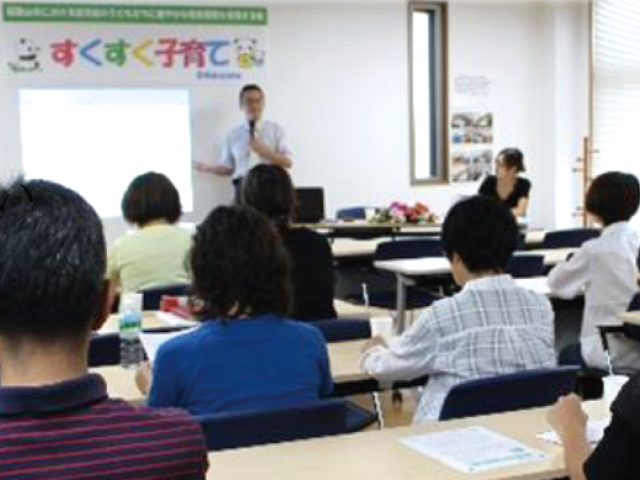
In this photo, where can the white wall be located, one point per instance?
(339, 84)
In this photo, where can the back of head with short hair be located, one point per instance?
(269, 189)
(151, 197)
(483, 232)
(239, 265)
(614, 197)
(513, 158)
(52, 263)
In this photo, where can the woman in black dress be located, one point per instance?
(268, 188)
(507, 185)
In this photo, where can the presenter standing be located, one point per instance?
(255, 141)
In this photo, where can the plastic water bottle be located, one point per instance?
(130, 325)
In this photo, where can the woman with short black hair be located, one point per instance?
(268, 188)
(246, 354)
(605, 271)
(507, 185)
(155, 253)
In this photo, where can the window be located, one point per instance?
(616, 85)
(427, 49)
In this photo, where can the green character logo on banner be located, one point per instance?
(248, 53)
(26, 59)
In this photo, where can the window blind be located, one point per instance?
(616, 86)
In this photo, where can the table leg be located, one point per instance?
(401, 304)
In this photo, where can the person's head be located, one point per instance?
(479, 237)
(52, 267)
(239, 265)
(613, 197)
(509, 163)
(252, 101)
(269, 189)
(151, 197)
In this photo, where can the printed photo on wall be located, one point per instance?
(471, 145)
(471, 165)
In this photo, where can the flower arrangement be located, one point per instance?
(399, 212)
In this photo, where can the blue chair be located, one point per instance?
(406, 249)
(516, 391)
(381, 286)
(362, 232)
(352, 213)
(104, 350)
(572, 238)
(343, 330)
(628, 330)
(526, 266)
(259, 427)
(151, 296)
(634, 306)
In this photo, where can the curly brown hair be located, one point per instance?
(239, 266)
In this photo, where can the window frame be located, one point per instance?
(439, 94)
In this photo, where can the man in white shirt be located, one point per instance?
(492, 327)
(255, 141)
(605, 270)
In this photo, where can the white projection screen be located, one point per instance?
(97, 141)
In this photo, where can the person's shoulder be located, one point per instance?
(176, 347)
(236, 132)
(535, 300)
(306, 235)
(171, 421)
(524, 184)
(184, 234)
(130, 239)
(490, 180)
(626, 405)
(174, 416)
(273, 125)
(524, 181)
(489, 183)
(304, 331)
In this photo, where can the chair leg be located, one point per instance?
(377, 404)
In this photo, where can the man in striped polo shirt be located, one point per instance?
(56, 420)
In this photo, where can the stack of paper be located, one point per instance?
(473, 449)
(151, 342)
(174, 320)
(595, 432)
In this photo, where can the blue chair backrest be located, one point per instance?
(572, 238)
(634, 305)
(104, 350)
(407, 249)
(516, 391)
(526, 266)
(352, 213)
(151, 296)
(343, 330)
(258, 427)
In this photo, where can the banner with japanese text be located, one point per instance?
(85, 44)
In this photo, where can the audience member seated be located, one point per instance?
(617, 456)
(269, 189)
(605, 270)
(245, 354)
(57, 420)
(154, 254)
(492, 327)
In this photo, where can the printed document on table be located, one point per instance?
(473, 449)
(595, 432)
(151, 342)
